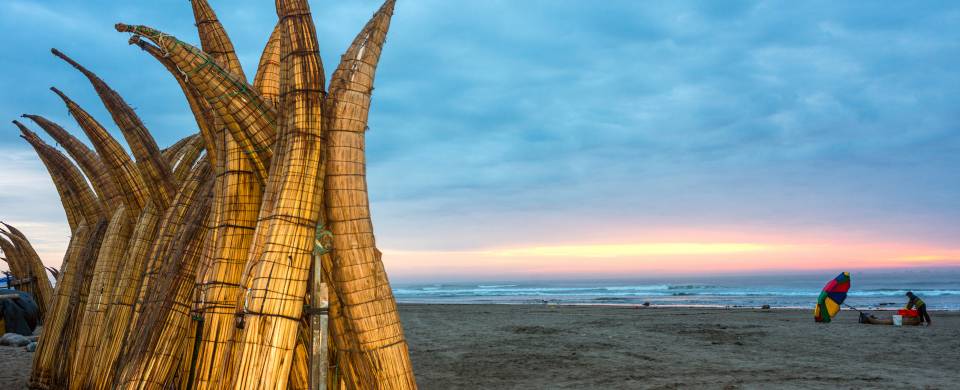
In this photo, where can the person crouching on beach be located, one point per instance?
(915, 301)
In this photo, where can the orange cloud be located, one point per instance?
(765, 254)
(640, 249)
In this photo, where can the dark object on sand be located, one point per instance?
(18, 312)
(646, 304)
(14, 340)
(867, 318)
(765, 307)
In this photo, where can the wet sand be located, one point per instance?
(578, 347)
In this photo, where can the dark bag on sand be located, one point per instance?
(20, 313)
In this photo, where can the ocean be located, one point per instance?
(940, 289)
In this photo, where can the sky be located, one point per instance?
(513, 139)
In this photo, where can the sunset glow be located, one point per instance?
(642, 249)
(827, 145)
(664, 258)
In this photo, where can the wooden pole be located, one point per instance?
(320, 305)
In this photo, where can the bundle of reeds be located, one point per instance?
(358, 272)
(189, 265)
(15, 266)
(156, 176)
(26, 267)
(35, 271)
(123, 176)
(18, 266)
(156, 345)
(275, 281)
(52, 359)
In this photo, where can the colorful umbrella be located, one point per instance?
(832, 296)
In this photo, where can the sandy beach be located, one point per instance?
(576, 347)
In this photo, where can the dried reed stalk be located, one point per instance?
(32, 271)
(170, 153)
(202, 111)
(125, 293)
(154, 170)
(156, 340)
(87, 159)
(173, 222)
(276, 282)
(243, 111)
(188, 157)
(248, 247)
(53, 356)
(358, 272)
(267, 79)
(14, 262)
(130, 185)
(133, 196)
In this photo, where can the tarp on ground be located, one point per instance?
(19, 312)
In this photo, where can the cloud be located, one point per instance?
(517, 122)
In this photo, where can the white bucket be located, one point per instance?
(897, 320)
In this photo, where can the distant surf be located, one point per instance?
(783, 292)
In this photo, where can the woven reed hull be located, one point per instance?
(120, 311)
(238, 196)
(43, 289)
(276, 284)
(78, 299)
(67, 198)
(75, 194)
(129, 184)
(171, 154)
(153, 169)
(267, 79)
(49, 346)
(42, 374)
(358, 272)
(13, 258)
(189, 196)
(202, 112)
(188, 158)
(237, 199)
(243, 111)
(300, 368)
(91, 328)
(34, 269)
(350, 367)
(19, 265)
(88, 161)
(156, 343)
(214, 39)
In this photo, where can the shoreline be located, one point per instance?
(655, 306)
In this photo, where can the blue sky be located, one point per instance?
(501, 124)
